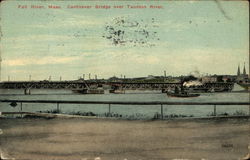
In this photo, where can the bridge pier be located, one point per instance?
(27, 91)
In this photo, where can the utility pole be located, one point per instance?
(0, 67)
(83, 76)
(89, 76)
(29, 77)
(165, 76)
(248, 79)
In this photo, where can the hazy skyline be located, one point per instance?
(189, 36)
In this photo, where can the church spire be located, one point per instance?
(238, 73)
(244, 70)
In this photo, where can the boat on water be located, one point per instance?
(181, 93)
(245, 85)
(89, 91)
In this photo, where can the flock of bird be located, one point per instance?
(125, 31)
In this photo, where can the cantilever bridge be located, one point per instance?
(82, 85)
(79, 85)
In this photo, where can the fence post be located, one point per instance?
(249, 110)
(214, 110)
(109, 108)
(161, 111)
(21, 109)
(57, 107)
(249, 106)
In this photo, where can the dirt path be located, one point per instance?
(82, 139)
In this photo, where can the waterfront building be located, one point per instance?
(209, 79)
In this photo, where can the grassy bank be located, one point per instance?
(106, 139)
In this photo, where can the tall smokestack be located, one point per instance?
(0, 66)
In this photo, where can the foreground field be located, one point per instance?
(105, 139)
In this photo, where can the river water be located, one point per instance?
(133, 111)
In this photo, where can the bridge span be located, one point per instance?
(84, 85)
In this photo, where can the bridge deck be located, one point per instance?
(91, 84)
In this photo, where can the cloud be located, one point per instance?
(131, 63)
(170, 25)
(69, 21)
(207, 60)
(145, 60)
(38, 61)
(32, 38)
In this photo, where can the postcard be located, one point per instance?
(124, 80)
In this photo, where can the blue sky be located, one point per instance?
(189, 36)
